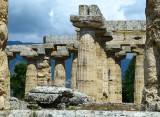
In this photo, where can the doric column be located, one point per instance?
(151, 92)
(44, 72)
(119, 81)
(112, 77)
(31, 75)
(4, 70)
(74, 71)
(101, 71)
(86, 71)
(139, 78)
(59, 73)
(4, 82)
(89, 21)
(60, 55)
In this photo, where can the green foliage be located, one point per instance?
(128, 82)
(34, 114)
(18, 80)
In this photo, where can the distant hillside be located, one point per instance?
(18, 43)
(68, 63)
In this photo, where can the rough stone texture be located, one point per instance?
(151, 95)
(4, 81)
(4, 70)
(4, 11)
(31, 76)
(112, 77)
(119, 82)
(74, 72)
(16, 104)
(139, 79)
(59, 74)
(60, 40)
(101, 69)
(44, 72)
(80, 113)
(61, 52)
(89, 16)
(3, 33)
(53, 96)
(126, 25)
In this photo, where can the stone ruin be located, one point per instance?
(97, 50)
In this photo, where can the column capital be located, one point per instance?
(61, 52)
(88, 17)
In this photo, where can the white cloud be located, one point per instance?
(51, 13)
(32, 19)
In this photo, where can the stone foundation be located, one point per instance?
(79, 113)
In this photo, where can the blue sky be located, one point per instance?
(30, 20)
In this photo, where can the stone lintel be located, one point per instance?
(29, 54)
(132, 25)
(60, 40)
(19, 48)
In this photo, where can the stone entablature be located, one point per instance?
(130, 25)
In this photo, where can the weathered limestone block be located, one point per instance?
(3, 34)
(86, 71)
(151, 95)
(4, 81)
(74, 72)
(31, 75)
(44, 72)
(139, 79)
(59, 73)
(54, 96)
(4, 11)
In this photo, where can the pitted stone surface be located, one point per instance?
(44, 72)
(50, 95)
(60, 40)
(16, 104)
(126, 25)
(80, 113)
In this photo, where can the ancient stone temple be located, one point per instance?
(4, 70)
(96, 51)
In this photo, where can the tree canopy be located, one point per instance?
(128, 82)
(18, 80)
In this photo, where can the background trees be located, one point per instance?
(18, 80)
(128, 82)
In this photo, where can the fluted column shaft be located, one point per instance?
(119, 81)
(74, 72)
(44, 72)
(86, 73)
(112, 75)
(139, 78)
(59, 73)
(31, 76)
